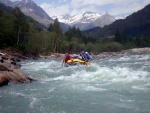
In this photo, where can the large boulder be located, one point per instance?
(3, 68)
(3, 81)
(15, 76)
(9, 72)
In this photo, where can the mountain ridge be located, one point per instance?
(134, 25)
(86, 20)
(29, 8)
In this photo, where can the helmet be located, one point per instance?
(86, 52)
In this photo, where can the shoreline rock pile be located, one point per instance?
(9, 66)
(122, 53)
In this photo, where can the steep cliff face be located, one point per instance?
(29, 8)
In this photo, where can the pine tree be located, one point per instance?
(56, 36)
(21, 25)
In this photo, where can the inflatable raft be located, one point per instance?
(77, 61)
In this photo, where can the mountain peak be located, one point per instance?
(85, 19)
(29, 8)
(26, 1)
(14, 0)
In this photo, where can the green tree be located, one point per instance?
(74, 33)
(21, 25)
(120, 37)
(56, 35)
(7, 26)
(1, 12)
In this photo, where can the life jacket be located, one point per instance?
(88, 57)
(67, 57)
(84, 57)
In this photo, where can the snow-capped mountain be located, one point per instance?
(84, 17)
(29, 8)
(118, 18)
(86, 20)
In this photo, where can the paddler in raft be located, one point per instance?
(75, 59)
(66, 58)
(70, 60)
(85, 56)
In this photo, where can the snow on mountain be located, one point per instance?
(14, 0)
(26, 1)
(86, 20)
(118, 18)
(84, 17)
(63, 18)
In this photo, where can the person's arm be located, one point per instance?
(90, 58)
(84, 57)
(63, 60)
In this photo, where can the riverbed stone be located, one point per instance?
(3, 68)
(3, 80)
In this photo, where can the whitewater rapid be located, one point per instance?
(117, 85)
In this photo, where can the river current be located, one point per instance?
(109, 85)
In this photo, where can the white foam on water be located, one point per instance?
(143, 57)
(127, 75)
(138, 88)
(123, 58)
(128, 58)
(33, 102)
(141, 88)
(36, 66)
(51, 90)
(128, 101)
(16, 94)
(98, 73)
(92, 88)
(58, 78)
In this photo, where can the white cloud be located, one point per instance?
(114, 7)
(128, 7)
(80, 3)
(53, 10)
(86, 8)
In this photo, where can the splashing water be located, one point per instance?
(110, 85)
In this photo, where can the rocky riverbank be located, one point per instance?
(103, 54)
(122, 53)
(9, 66)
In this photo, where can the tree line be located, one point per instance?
(23, 33)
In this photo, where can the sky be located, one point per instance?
(117, 8)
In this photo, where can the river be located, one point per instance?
(109, 85)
